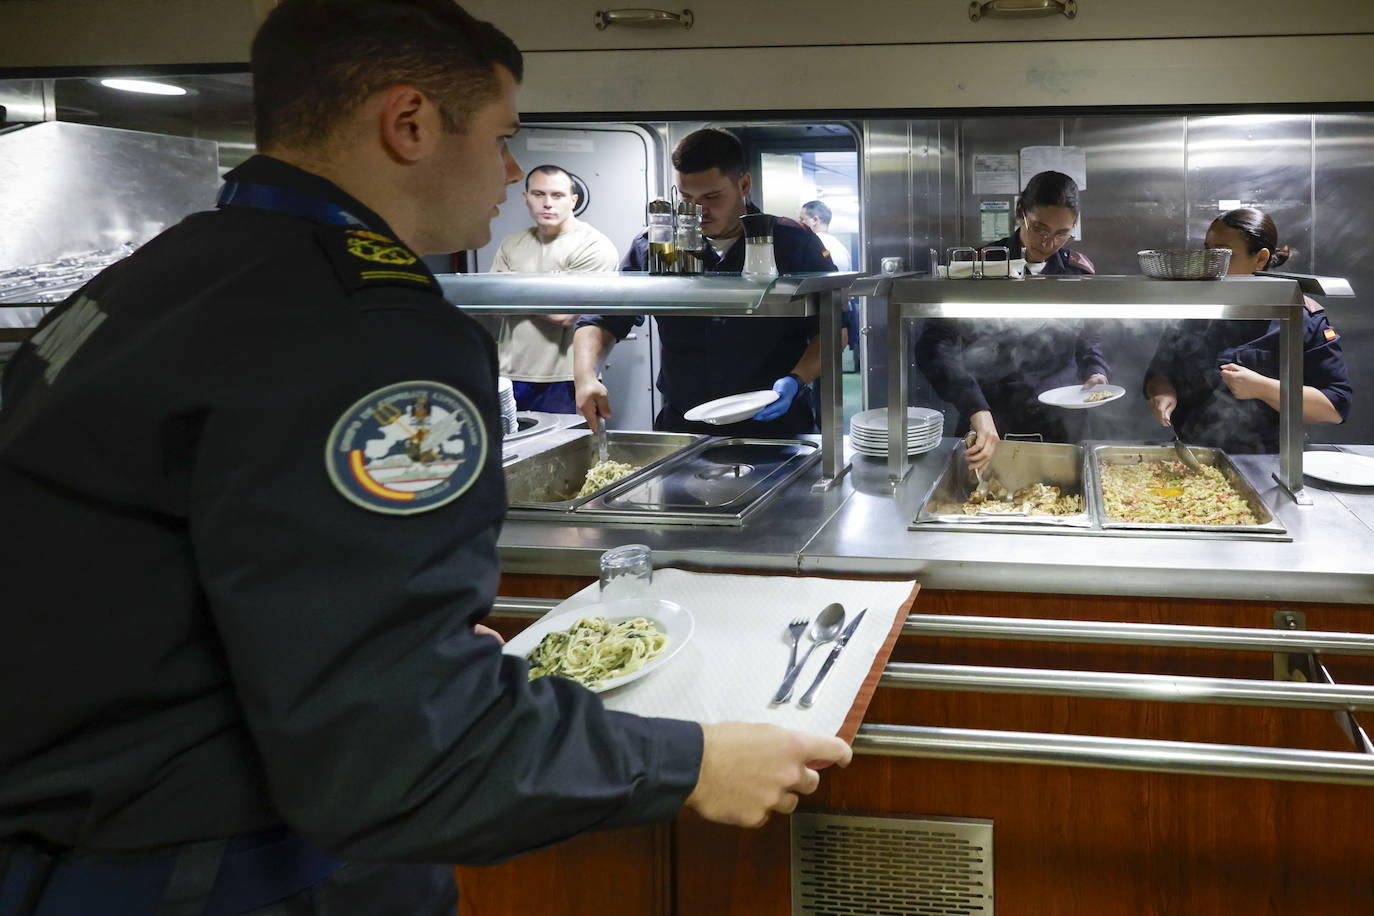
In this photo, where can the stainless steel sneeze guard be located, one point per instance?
(715, 295)
(1100, 297)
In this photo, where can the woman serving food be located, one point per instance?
(994, 370)
(1217, 381)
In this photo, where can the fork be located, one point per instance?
(796, 628)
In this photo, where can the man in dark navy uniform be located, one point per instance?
(258, 469)
(709, 358)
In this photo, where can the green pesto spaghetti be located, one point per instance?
(594, 650)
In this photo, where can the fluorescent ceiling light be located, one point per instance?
(145, 86)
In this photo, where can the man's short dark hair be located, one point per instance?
(550, 170)
(709, 148)
(316, 61)
(817, 209)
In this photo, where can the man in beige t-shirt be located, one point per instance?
(536, 351)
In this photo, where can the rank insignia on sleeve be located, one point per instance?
(378, 248)
(362, 258)
(1329, 333)
(407, 448)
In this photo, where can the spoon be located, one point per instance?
(825, 627)
(603, 452)
(1184, 452)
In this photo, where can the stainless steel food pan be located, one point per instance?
(1015, 465)
(549, 480)
(718, 483)
(1104, 455)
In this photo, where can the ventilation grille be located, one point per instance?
(890, 866)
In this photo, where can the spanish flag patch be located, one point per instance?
(1330, 333)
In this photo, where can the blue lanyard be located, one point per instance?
(283, 200)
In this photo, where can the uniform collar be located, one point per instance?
(269, 172)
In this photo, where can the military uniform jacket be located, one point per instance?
(708, 358)
(1003, 365)
(214, 627)
(1191, 353)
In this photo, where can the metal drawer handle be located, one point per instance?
(641, 17)
(1019, 8)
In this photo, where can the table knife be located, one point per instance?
(810, 696)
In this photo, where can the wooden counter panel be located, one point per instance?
(1068, 841)
(619, 871)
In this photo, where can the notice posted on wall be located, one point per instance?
(1071, 160)
(995, 174)
(994, 219)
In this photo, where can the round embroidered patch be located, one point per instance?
(407, 448)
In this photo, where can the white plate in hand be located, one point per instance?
(674, 620)
(731, 409)
(1339, 467)
(1076, 396)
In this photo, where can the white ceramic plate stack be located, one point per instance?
(868, 430)
(507, 392)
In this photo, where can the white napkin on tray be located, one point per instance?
(737, 656)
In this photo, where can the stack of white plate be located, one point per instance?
(868, 430)
(507, 392)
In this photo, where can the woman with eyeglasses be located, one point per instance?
(1217, 381)
(992, 370)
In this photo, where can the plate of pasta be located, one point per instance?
(605, 645)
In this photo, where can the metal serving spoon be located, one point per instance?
(825, 627)
(1184, 452)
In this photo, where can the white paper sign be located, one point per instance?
(995, 174)
(1070, 160)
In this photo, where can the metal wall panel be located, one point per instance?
(1341, 244)
(67, 189)
(1136, 198)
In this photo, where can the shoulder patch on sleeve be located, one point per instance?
(1080, 260)
(407, 448)
(361, 258)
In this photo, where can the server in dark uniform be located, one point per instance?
(258, 468)
(993, 370)
(1217, 380)
(709, 358)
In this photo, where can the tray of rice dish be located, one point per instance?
(1148, 487)
(1029, 485)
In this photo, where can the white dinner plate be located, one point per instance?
(875, 420)
(1075, 396)
(1339, 467)
(731, 409)
(673, 619)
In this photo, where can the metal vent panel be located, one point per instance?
(890, 866)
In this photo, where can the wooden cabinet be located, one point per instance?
(1066, 841)
(569, 25)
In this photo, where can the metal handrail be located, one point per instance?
(1244, 761)
(1247, 639)
(1113, 685)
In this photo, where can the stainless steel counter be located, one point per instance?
(860, 527)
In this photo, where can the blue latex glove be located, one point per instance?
(787, 388)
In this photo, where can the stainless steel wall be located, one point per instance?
(1153, 182)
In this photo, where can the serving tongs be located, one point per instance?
(603, 451)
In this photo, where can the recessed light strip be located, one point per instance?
(148, 87)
